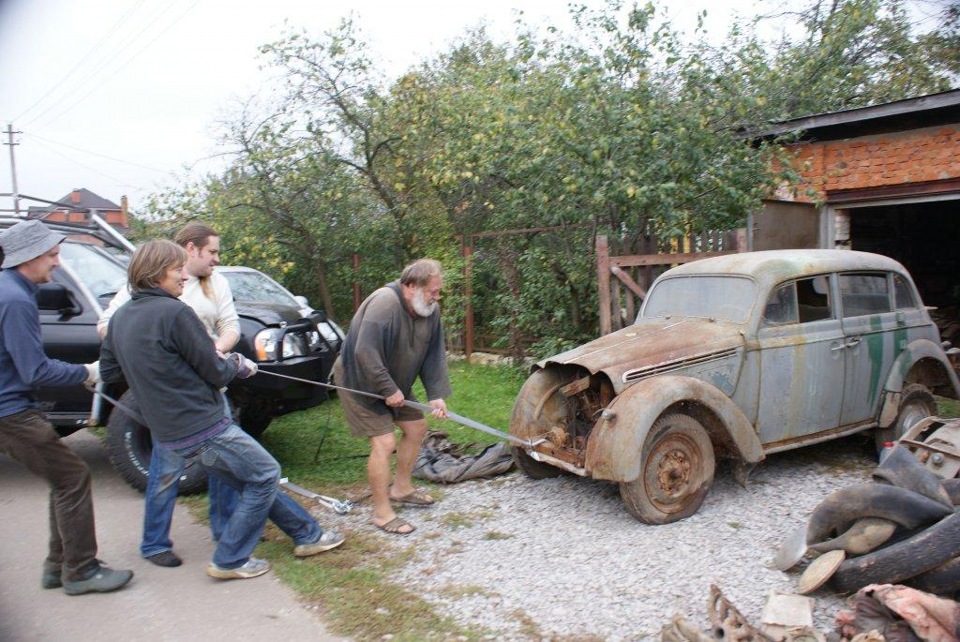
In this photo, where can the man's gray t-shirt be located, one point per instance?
(388, 347)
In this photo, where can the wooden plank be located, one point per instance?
(661, 259)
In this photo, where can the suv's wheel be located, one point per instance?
(676, 471)
(916, 403)
(129, 446)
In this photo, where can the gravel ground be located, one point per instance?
(561, 559)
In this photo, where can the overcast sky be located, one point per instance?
(122, 96)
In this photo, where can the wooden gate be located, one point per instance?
(620, 298)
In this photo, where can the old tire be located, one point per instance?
(129, 446)
(842, 507)
(676, 471)
(916, 403)
(923, 552)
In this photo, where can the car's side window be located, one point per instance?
(863, 294)
(781, 307)
(813, 299)
(799, 301)
(903, 293)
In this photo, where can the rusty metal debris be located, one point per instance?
(786, 618)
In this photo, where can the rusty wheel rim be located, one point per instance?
(671, 472)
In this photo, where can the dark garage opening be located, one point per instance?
(924, 237)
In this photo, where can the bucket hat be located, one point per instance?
(27, 240)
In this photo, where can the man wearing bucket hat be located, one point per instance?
(30, 254)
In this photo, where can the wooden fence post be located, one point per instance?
(603, 283)
(467, 253)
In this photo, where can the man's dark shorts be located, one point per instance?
(365, 422)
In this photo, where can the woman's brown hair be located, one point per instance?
(151, 261)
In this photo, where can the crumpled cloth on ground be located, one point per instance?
(444, 462)
(899, 614)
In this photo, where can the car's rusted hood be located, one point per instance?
(653, 344)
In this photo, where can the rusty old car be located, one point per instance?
(735, 356)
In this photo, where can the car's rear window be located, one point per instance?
(728, 298)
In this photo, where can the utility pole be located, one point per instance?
(13, 168)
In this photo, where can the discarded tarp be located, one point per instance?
(444, 462)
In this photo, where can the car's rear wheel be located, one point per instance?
(676, 472)
(129, 446)
(916, 403)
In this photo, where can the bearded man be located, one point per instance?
(395, 337)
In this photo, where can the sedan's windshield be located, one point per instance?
(728, 298)
(253, 286)
(101, 274)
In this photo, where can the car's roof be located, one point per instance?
(773, 266)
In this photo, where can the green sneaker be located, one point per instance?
(51, 580)
(100, 580)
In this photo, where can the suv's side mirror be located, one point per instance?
(55, 297)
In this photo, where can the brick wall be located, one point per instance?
(923, 155)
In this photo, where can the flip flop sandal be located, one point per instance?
(394, 525)
(414, 498)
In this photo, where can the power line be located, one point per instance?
(86, 167)
(67, 105)
(87, 151)
(96, 46)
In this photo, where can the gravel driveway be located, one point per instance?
(561, 559)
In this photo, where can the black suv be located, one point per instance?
(92, 270)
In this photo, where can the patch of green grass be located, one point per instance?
(464, 520)
(495, 535)
(350, 585)
(948, 408)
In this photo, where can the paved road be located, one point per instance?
(160, 604)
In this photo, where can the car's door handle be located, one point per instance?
(850, 343)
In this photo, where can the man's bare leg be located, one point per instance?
(378, 474)
(407, 452)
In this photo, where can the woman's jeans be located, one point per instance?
(247, 477)
(163, 482)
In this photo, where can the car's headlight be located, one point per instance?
(265, 345)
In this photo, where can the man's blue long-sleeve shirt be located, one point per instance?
(23, 364)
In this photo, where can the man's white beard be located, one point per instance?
(420, 305)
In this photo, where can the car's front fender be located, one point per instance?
(616, 442)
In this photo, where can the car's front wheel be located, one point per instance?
(916, 403)
(129, 446)
(677, 467)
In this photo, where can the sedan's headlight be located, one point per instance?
(265, 345)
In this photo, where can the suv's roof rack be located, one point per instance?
(101, 230)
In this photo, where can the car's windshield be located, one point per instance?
(101, 274)
(729, 298)
(254, 286)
